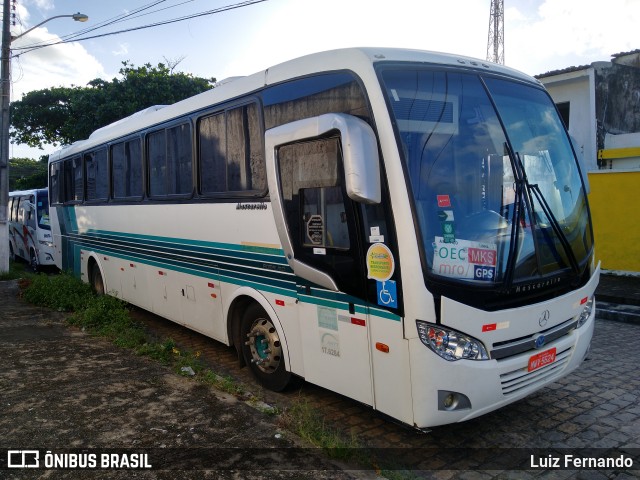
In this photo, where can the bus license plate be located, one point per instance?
(541, 359)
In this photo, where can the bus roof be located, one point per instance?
(32, 191)
(360, 60)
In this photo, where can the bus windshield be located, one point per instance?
(498, 195)
(42, 211)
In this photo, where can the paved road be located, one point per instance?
(61, 389)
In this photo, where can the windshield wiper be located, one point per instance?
(522, 180)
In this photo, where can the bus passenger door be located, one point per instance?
(318, 228)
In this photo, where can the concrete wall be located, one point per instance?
(576, 88)
(616, 218)
(617, 90)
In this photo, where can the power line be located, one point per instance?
(69, 39)
(104, 23)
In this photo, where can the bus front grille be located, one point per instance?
(514, 381)
(517, 346)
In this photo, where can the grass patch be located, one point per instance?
(16, 271)
(305, 420)
(107, 316)
(63, 292)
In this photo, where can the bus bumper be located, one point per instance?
(457, 391)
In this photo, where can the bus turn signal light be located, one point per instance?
(384, 348)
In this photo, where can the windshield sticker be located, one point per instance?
(374, 235)
(315, 229)
(448, 232)
(444, 201)
(380, 262)
(387, 294)
(465, 259)
(446, 215)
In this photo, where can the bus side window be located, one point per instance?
(324, 217)
(10, 209)
(30, 212)
(320, 217)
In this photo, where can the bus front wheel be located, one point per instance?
(262, 349)
(34, 264)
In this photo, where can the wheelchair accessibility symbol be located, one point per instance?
(387, 294)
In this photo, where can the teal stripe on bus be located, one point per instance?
(219, 264)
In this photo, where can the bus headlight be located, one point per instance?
(450, 344)
(586, 312)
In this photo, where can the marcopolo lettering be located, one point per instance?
(251, 206)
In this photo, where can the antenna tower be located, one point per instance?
(495, 41)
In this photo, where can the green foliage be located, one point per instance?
(162, 352)
(225, 383)
(63, 292)
(63, 115)
(305, 420)
(25, 174)
(16, 271)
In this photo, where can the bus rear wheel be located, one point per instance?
(97, 284)
(262, 349)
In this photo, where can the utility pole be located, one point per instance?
(495, 41)
(5, 87)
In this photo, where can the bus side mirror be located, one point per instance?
(360, 156)
(359, 150)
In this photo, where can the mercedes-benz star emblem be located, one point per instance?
(544, 318)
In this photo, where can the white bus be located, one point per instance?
(29, 228)
(406, 228)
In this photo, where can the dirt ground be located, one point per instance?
(65, 392)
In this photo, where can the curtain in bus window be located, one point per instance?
(118, 171)
(212, 141)
(55, 183)
(236, 150)
(231, 151)
(157, 158)
(67, 182)
(313, 96)
(180, 176)
(126, 165)
(78, 179)
(97, 177)
(257, 172)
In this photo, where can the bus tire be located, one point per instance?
(33, 262)
(262, 349)
(97, 283)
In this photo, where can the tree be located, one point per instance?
(63, 115)
(25, 173)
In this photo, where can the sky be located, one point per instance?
(241, 37)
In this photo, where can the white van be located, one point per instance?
(29, 229)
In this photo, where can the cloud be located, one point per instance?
(561, 32)
(123, 49)
(39, 4)
(58, 65)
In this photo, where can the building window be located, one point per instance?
(563, 108)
